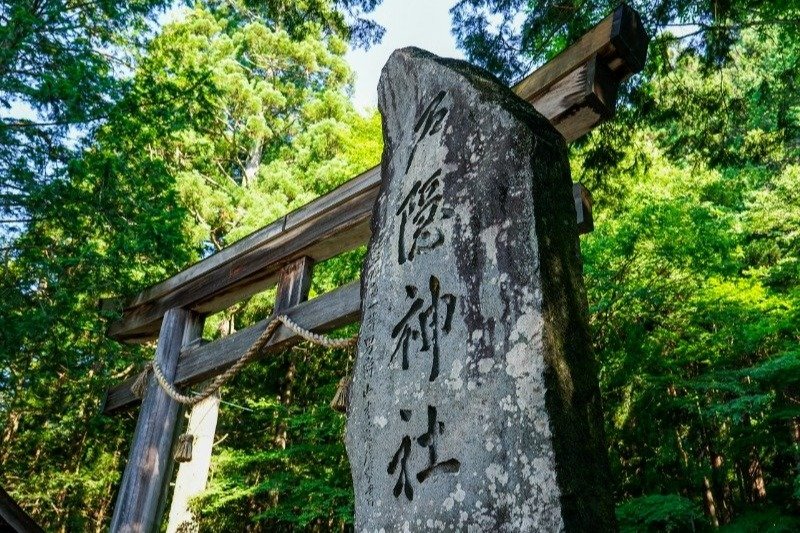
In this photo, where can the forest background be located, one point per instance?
(156, 145)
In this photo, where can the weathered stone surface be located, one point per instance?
(475, 403)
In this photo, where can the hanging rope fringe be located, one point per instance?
(140, 385)
(341, 400)
(184, 449)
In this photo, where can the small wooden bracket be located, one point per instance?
(294, 282)
(583, 208)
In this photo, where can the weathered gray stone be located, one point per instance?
(475, 403)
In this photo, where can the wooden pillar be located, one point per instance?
(294, 283)
(583, 208)
(193, 475)
(139, 500)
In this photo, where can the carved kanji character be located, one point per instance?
(429, 321)
(428, 440)
(418, 215)
(400, 459)
(429, 123)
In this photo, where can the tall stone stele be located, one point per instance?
(475, 403)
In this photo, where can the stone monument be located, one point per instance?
(475, 403)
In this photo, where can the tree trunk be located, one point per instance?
(285, 398)
(253, 163)
(10, 429)
(719, 486)
(757, 486)
(710, 504)
(227, 325)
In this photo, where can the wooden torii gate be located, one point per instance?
(576, 91)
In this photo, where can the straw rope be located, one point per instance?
(140, 385)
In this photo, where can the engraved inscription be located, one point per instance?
(403, 484)
(399, 462)
(424, 323)
(429, 123)
(418, 218)
(430, 312)
(428, 440)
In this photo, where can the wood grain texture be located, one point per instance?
(140, 496)
(193, 475)
(198, 362)
(581, 100)
(619, 41)
(294, 283)
(14, 518)
(575, 91)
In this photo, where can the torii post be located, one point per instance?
(575, 91)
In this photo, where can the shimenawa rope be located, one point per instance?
(184, 451)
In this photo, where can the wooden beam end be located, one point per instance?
(629, 41)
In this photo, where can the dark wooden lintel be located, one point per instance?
(619, 42)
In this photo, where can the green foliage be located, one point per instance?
(237, 113)
(268, 128)
(508, 37)
(695, 303)
(304, 484)
(98, 226)
(659, 512)
(223, 121)
(768, 519)
(58, 63)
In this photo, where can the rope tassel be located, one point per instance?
(139, 386)
(183, 451)
(341, 400)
